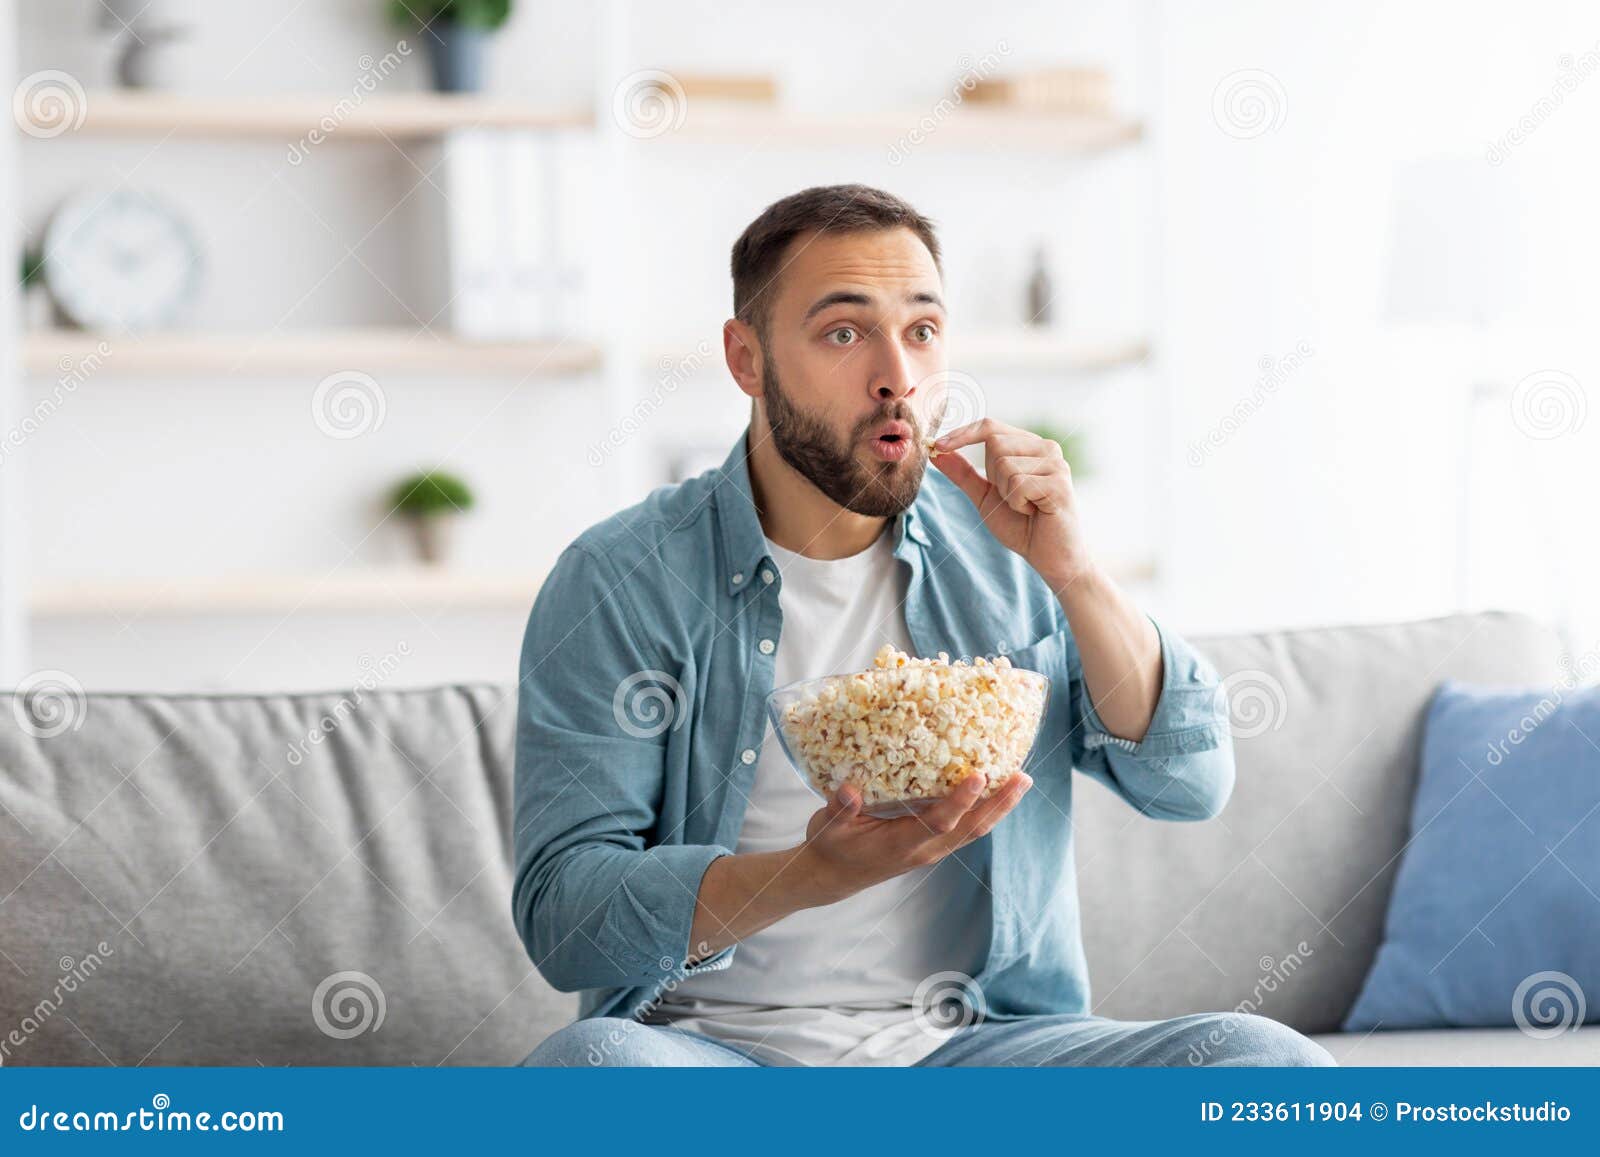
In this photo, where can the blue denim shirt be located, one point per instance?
(646, 662)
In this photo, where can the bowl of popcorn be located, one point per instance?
(907, 730)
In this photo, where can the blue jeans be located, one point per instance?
(1070, 1039)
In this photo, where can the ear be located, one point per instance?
(741, 348)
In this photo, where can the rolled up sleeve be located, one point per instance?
(595, 907)
(1183, 767)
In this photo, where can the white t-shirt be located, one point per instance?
(834, 985)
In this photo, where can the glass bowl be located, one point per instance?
(906, 741)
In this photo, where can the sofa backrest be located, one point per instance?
(324, 878)
(269, 875)
(1327, 725)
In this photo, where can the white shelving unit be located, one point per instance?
(617, 360)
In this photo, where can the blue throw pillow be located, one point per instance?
(1495, 917)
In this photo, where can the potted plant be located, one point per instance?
(455, 32)
(36, 311)
(430, 501)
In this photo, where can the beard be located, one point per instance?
(809, 445)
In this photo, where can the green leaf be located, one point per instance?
(431, 492)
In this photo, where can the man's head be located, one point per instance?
(838, 323)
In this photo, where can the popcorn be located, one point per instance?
(908, 730)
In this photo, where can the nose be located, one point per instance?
(893, 379)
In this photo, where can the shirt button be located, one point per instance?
(767, 646)
(766, 576)
(738, 578)
(748, 755)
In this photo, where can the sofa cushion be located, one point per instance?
(262, 896)
(1495, 917)
(1185, 918)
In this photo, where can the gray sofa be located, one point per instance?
(193, 879)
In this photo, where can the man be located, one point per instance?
(672, 867)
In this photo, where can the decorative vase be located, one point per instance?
(433, 536)
(456, 53)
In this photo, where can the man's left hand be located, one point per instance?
(1026, 500)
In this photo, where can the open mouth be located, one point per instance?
(892, 447)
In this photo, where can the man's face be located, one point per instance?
(855, 331)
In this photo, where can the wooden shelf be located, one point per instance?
(375, 590)
(904, 131)
(53, 352)
(401, 116)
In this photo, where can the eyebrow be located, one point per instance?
(848, 297)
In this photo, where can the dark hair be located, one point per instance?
(821, 209)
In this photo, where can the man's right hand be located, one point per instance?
(846, 851)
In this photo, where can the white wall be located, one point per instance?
(1337, 500)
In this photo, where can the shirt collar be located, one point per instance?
(744, 544)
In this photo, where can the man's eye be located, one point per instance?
(923, 333)
(844, 335)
